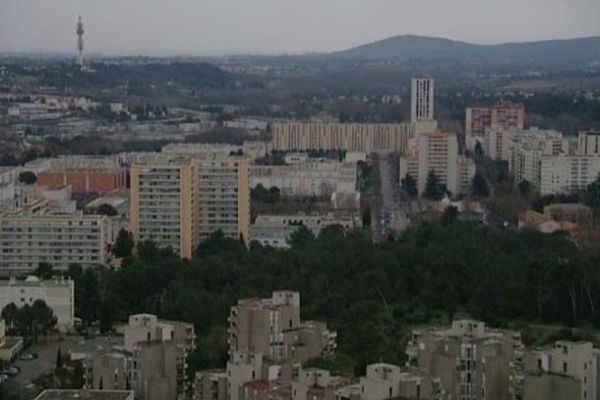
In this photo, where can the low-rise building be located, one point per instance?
(317, 384)
(58, 294)
(210, 385)
(9, 346)
(576, 213)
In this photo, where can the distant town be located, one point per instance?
(313, 227)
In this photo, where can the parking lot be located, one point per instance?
(22, 383)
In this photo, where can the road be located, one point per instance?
(391, 216)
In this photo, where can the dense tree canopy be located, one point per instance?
(424, 277)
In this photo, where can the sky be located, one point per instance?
(218, 27)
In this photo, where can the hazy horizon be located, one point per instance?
(265, 27)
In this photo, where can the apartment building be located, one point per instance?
(272, 327)
(527, 148)
(438, 152)
(472, 361)
(305, 179)
(504, 115)
(32, 234)
(567, 370)
(85, 181)
(210, 385)
(422, 99)
(58, 294)
(567, 174)
(387, 381)
(367, 138)
(179, 202)
(153, 360)
(496, 143)
(589, 144)
(317, 384)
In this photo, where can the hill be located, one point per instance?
(552, 53)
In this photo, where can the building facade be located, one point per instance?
(272, 327)
(58, 294)
(29, 237)
(567, 370)
(179, 203)
(438, 152)
(85, 181)
(310, 178)
(473, 362)
(368, 138)
(504, 115)
(422, 99)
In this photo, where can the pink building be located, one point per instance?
(503, 114)
(85, 181)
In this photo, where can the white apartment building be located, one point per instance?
(438, 152)
(367, 138)
(589, 144)
(311, 178)
(527, 149)
(33, 235)
(567, 174)
(59, 295)
(496, 143)
(422, 99)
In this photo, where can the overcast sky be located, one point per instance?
(203, 27)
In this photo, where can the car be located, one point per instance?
(11, 371)
(28, 357)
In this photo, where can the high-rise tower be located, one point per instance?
(422, 100)
(79, 31)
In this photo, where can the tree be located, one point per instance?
(44, 270)
(450, 215)
(434, 190)
(478, 149)
(301, 235)
(525, 189)
(106, 209)
(59, 359)
(90, 296)
(124, 244)
(479, 186)
(10, 313)
(43, 316)
(147, 250)
(409, 185)
(27, 177)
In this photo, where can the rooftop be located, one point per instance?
(53, 394)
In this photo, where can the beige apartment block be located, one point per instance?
(152, 362)
(210, 385)
(567, 370)
(180, 202)
(387, 381)
(272, 327)
(504, 115)
(317, 384)
(473, 362)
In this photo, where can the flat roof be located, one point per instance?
(54, 394)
